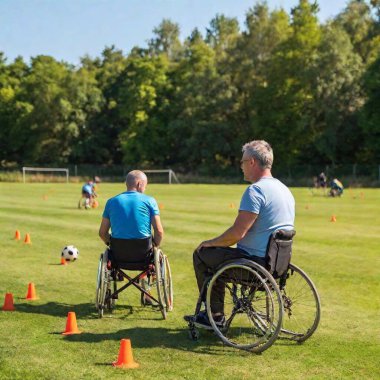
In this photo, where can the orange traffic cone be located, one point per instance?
(71, 324)
(8, 302)
(63, 261)
(17, 235)
(31, 295)
(125, 358)
(27, 239)
(161, 206)
(333, 218)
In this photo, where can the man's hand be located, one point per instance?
(205, 244)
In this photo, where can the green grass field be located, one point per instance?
(342, 258)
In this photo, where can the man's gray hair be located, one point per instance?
(134, 176)
(261, 151)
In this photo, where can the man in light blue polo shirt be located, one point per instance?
(132, 214)
(266, 206)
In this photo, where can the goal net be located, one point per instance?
(161, 176)
(45, 174)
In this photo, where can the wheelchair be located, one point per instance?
(154, 279)
(261, 304)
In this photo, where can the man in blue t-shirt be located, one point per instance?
(132, 214)
(266, 206)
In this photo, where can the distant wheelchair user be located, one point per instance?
(88, 195)
(131, 246)
(246, 289)
(336, 188)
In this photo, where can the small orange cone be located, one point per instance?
(333, 218)
(27, 239)
(8, 303)
(71, 324)
(31, 295)
(17, 235)
(161, 206)
(125, 358)
(63, 261)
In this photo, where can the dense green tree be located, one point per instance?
(370, 117)
(310, 89)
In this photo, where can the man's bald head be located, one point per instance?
(136, 180)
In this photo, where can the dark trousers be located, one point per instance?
(208, 259)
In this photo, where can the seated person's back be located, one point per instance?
(130, 215)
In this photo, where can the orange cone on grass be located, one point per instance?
(8, 303)
(71, 324)
(63, 261)
(125, 358)
(27, 239)
(333, 218)
(31, 295)
(17, 235)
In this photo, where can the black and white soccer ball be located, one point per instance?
(70, 253)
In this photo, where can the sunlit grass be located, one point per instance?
(342, 258)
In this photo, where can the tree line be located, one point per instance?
(311, 89)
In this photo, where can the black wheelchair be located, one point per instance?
(261, 304)
(154, 280)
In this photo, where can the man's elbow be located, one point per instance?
(239, 235)
(102, 235)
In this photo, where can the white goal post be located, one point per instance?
(170, 172)
(30, 169)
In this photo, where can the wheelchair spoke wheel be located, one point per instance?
(101, 286)
(302, 306)
(168, 284)
(251, 304)
(158, 260)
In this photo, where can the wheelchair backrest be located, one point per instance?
(279, 252)
(132, 254)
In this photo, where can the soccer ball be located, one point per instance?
(70, 253)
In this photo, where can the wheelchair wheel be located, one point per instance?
(252, 306)
(302, 306)
(168, 284)
(101, 285)
(160, 283)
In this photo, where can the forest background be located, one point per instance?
(311, 89)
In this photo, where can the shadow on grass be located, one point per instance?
(57, 309)
(154, 337)
(87, 311)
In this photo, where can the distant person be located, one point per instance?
(88, 194)
(322, 180)
(266, 206)
(336, 188)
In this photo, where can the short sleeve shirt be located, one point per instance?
(130, 215)
(274, 204)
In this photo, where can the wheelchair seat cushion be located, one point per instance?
(132, 254)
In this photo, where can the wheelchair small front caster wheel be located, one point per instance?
(194, 334)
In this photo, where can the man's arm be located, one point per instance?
(158, 230)
(235, 233)
(104, 230)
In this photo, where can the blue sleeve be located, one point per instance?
(252, 200)
(154, 210)
(106, 212)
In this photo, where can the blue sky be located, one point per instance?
(69, 29)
